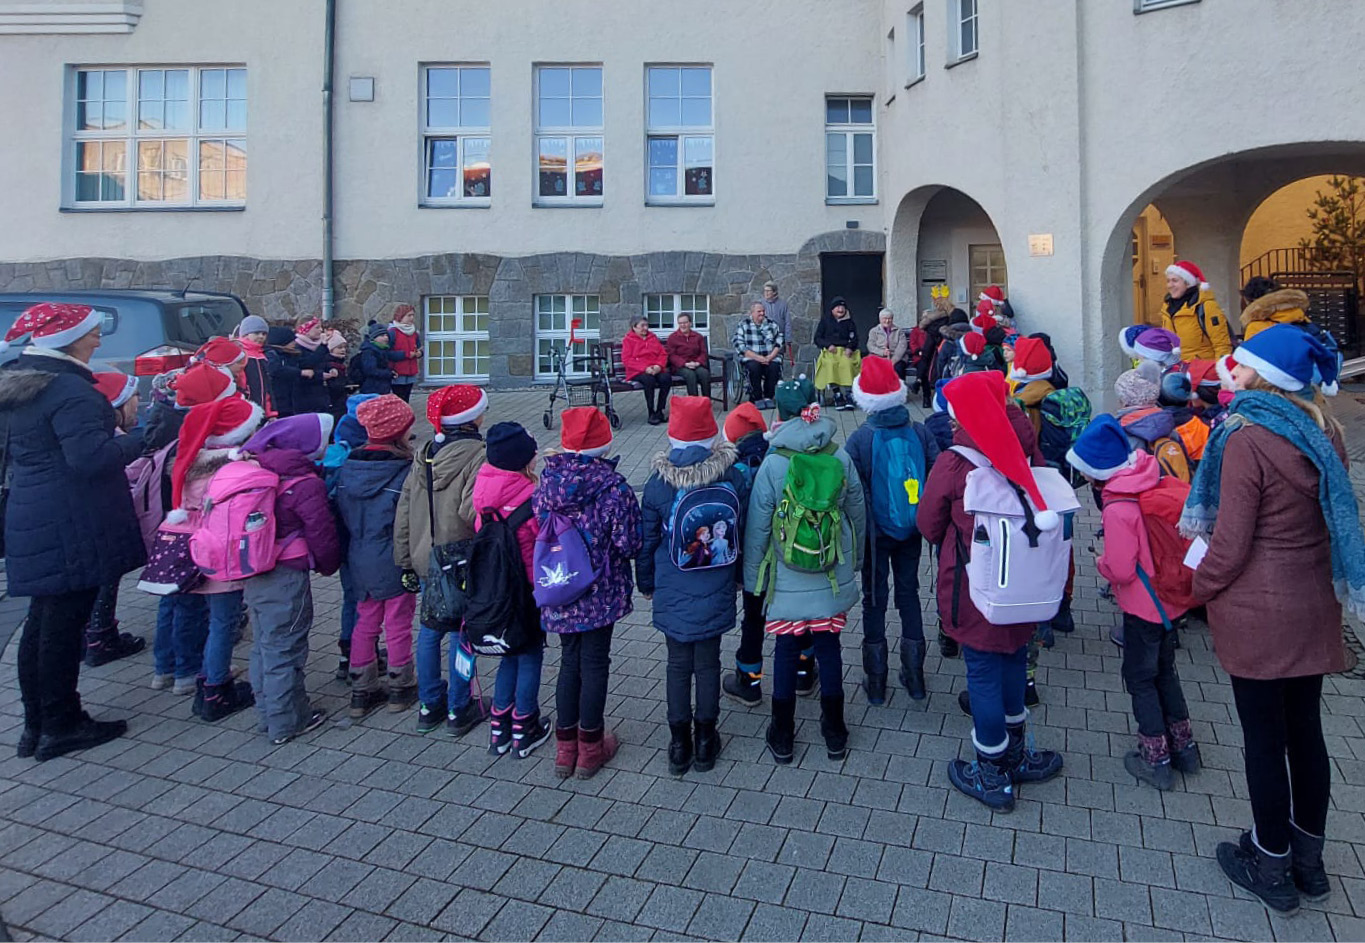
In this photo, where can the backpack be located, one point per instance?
(170, 567)
(564, 561)
(499, 612)
(898, 473)
(1016, 573)
(145, 477)
(1065, 414)
(355, 369)
(237, 536)
(915, 342)
(806, 522)
(1171, 456)
(1173, 582)
(1153, 428)
(702, 527)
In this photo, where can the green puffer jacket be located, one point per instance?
(801, 596)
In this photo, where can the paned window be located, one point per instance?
(555, 315)
(662, 312)
(916, 45)
(988, 268)
(964, 20)
(457, 337)
(569, 134)
(680, 136)
(850, 150)
(455, 136)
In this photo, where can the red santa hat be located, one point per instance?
(1188, 272)
(877, 387)
(977, 402)
(202, 383)
(691, 422)
(973, 345)
(220, 352)
(985, 318)
(993, 294)
(221, 424)
(745, 418)
(585, 431)
(117, 387)
(51, 325)
(1031, 360)
(455, 405)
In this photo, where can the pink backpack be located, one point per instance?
(145, 475)
(237, 536)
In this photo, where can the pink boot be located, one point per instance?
(595, 748)
(566, 751)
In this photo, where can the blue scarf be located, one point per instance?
(1335, 493)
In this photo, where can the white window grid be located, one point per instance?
(457, 340)
(569, 156)
(456, 132)
(662, 311)
(964, 22)
(1147, 6)
(554, 313)
(157, 136)
(679, 134)
(850, 150)
(915, 47)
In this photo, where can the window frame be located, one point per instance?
(849, 130)
(458, 337)
(917, 58)
(588, 337)
(130, 138)
(992, 278)
(569, 134)
(956, 21)
(681, 134)
(675, 299)
(427, 134)
(1151, 6)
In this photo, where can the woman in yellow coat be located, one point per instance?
(1268, 304)
(1191, 311)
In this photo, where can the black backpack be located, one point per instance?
(355, 370)
(500, 617)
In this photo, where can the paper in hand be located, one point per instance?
(1195, 555)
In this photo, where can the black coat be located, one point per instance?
(292, 392)
(163, 426)
(375, 372)
(69, 524)
(831, 332)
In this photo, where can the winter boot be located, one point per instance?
(1310, 877)
(1184, 751)
(986, 780)
(528, 733)
(947, 645)
(107, 643)
(744, 687)
(566, 751)
(679, 748)
(806, 677)
(197, 705)
(402, 688)
(874, 666)
(912, 668)
(85, 733)
(1042, 634)
(1265, 875)
(226, 699)
(28, 738)
(1024, 763)
(708, 745)
(781, 734)
(832, 726)
(343, 672)
(460, 722)
(1151, 762)
(366, 694)
(500, 731)
(431, 716)
(964, 702)
(1030, 694)
(1063, 621)
(595, 750)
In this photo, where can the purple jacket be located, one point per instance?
(304, 508)
(592, 492)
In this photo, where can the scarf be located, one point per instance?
(306, 343)
(1335, 494)
(252, 349)
(55, 354)
(408, 329)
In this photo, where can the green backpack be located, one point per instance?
(806, 522)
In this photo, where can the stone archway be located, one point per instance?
(941, 235)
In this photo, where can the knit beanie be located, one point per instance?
(306, 432)
(386, 418)
(510, 447)
(1134, 388)
(1102, 450)
(253, 324)
(743, 419)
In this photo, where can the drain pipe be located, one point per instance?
(328, 232)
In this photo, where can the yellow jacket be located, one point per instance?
(1286, 306)
(1207, 341)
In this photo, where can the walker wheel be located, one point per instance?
(548, 418)
(614, 418)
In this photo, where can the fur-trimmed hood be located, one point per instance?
(1286, 306)
(20, 386)
(708, 471)
(207, 463)
(955, 332)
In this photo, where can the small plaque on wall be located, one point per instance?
(1040, 244)
(933, 271)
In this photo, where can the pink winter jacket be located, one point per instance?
(505, 490)
(1125, 540)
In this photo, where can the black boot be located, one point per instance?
(708, 746)
(806, 676)
(1025, 764)
(82, 735)
(947, 646)
(28, 742)
(197, 705)
(1265, 875)
(1030, 694)
(912, 668)
(1063, 621)
(964, 702)
(107, 644)
(680, 748)
(226, 699)
(343, 672)
(366, 692)
(1310, 877)
(986, 780)
(782, 730)
(744, 687)
(874, 669)
(832, 726)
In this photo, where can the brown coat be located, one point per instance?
(1267, 577)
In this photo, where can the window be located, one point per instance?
(554, 317)
(455, 135)
(962, 21)
(1145, 6)
(915, 45)
(662, 312)
(680, 135)
(158, 137)
(850, 168)
(987, 265)
(457, 337)
(569, 134)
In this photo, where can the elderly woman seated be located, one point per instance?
(646, 362)
(889, 341)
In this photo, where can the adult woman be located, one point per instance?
(839, 362)
(1191, 311)
(687, 357)
(931, 322)
(646, 363)
(887, 340)
(70, 526)
(405, 351)
(1285, 552)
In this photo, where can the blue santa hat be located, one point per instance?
(1102, 451)
(1290, 358)
(1128, 338)
(941, 401)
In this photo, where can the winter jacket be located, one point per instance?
(804, 596)
(1126, 546)
(684, 349)
(368, 487)
(891, 345)
(1030, 397)
(303, 509)
(943, 521)
(505, 491)
(940, 426)
(860, 449)
(689, 605)
(283, 367)
(163, 426)
(400, 345)
(197, 479)
(949, 353)
(640, 353)
(70, 523)
(256, 371)
(593, 493)
(453, 465)
(1180, 315)
(1286, 306)
(311, 394)
(1267, 577)
(832, 332)
(374, 369)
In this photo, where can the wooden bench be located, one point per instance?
(610, 373)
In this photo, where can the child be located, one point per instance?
(799, 601)
(281, 600)
(1165, 740)
(437, 508)
(693, 607)
(373, 369)
(890, 440)
(405, 346)
(583, 485)
(284, 368)
(939, 425)
(505, 483)
(1032, 369)
(348, 436)
(251, 336)
(368, 487)
(747, 432)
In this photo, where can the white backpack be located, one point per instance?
(1014, 579)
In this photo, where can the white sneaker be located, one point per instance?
(162, 682)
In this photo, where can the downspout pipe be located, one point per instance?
(328, 172)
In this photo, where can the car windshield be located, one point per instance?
(195, 322)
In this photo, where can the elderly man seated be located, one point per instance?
(759, 343)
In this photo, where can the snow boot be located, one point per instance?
(402, 688)
(1263, 874)
(226, 699)
(566, 751)
(912, 668)
(679, 748)
(366, 694)
(781, 734)
(500, 731)
(1026, 764)
(707, 746)
(744, 687)
(1151, 762)
(528, 733)
(985, 779)
(832, 726)
(595, 750)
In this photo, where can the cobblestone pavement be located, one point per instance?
(184, 830)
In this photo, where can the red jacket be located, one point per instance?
(404, 344)
(640, 353)
(683, 350)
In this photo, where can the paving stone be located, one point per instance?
(264, 914)
(721, 918)
(923, 910)
(566, 927)
(715, 874)
(470, 913)
(855, 858)
(1072, 893)
(1115, 900)
(620, 899)
(957, 875)
(905, 866)
(669, 908)
(1180, 910)
(764, 882)
(1028, 924)
(976, 919)
(317, 918)
(774, 924)
(811, 890)
(1239, 919)
(1144, 866)
(1011, 884)
(806, 850)
(1093, 929)
(517, 920)
(160, 926)
(867, 900)
(361, 927)
(823, 927)
(572, 888)
(664, 864)
(422, 901)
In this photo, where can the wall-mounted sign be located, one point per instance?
(1040, 243)
(1160, 241)
(933, 271)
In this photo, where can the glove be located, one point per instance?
(411, 584)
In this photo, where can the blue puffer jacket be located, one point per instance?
(689, 605)
(368, 486)
(859, 447)
(70, 523)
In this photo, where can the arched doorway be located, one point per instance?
(941, 237)
(1153, 250)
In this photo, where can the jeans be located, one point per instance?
(394, 617)
(1283, 718)
(763, 378)
(899, 559)
(182, 627)
(429, 687)
(581, 694)
(995, 683)
(1149, 675)
(688, 660)
(518, 682)
(829, 661)
(225, 612)
(281, 604)
(656, 389)
(50, 659)
(749, 657)
(698, 380)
